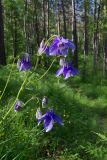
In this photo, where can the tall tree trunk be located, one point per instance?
(104, 9)
(44, 19)
(64, 19)
(15, 38)
(75, 39)
(85, 28)
(2, 47)
(48, 25)
(95, 36)
(25, 27)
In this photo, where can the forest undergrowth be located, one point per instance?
(82, 104)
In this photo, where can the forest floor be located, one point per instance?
(82, 104)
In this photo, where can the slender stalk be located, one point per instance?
(21, 88)
(37, 61)
(6, 85)
(46, 70)
(7, 80)
(23, 106)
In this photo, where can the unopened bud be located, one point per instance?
(44, 101)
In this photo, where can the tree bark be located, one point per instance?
(75, 38)
(64, 19)
(85, 28)
(2, 47)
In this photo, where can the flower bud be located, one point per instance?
(62, 62)
(44, 101)
(38, 113)
(18, 105)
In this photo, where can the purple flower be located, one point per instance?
(24, 64)
(43, 48)
(67, 70)
(18, 105)
(49, 118)
(60, 46)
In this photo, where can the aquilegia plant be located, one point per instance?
(60, 48)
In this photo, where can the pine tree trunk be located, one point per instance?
(95, 36)
(85, 29)
(15, 38)
(44, 20)
(2, 47)
(64, 19)
(75, 38)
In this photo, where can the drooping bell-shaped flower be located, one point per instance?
(43, 48)
(18, 106)
(49, 118)
(25, 63)
(67, 70)
(60, 46)
(44, 101)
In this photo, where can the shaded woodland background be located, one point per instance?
(25, 23)
(81, 101)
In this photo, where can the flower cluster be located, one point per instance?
(59, 47)
(49, 117)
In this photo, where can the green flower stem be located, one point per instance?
(7, 80)
(46, 70)
(23, 106)
(6, 84)
(37, 61)
(21, 88)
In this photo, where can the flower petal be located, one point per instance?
(71, 45)
(49, 126)
(57, 119)
(42, 118)
(67, 75)
(60, 71)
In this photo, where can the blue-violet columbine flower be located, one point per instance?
(49, 118)
(67, 70)
(24, 64)
(43, 48)
(60, 46)
(18, 105)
